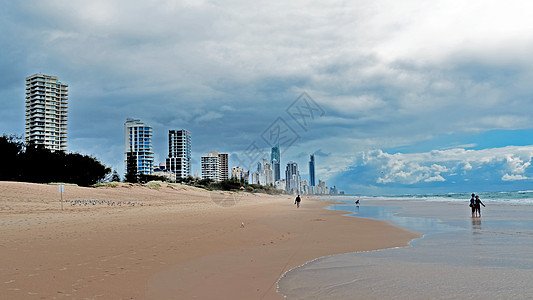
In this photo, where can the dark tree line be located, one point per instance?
(34, 163)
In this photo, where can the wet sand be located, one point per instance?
(171, 242)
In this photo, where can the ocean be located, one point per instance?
(457, 257)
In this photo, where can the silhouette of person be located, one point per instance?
(478, 206)
(297, 201)
(473, 204)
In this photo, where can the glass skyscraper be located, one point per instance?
(312, 170)
(275, 160)
(292, 178)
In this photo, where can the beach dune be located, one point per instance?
(166, 241)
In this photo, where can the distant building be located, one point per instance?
(275, 159)
(163, 172)
(215, 166)
(237, 173)
(223, 159)
(138, 147)
(254, 177)
(321, 188)
(46, 112)
(292, 178)
(179, 153)
(246, 176)
(280, 184)
(266, 175)
(305, 188)
(312, 170)
(333, 190)
(211, 166)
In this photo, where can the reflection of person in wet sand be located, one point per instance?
(478, 204)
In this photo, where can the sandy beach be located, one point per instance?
(166, 242)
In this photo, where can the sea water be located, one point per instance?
(458, 257)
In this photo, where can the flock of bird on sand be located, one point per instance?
(102, 202)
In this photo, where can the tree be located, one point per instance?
(115, 177)
(10, 147)
(35, 163)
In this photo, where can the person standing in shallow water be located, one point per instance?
(473, 205)
(478, 204)
(297, 201)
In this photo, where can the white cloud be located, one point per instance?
(435, 178)
(436, 165)
(508, 177)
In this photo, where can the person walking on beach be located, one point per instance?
(473, 204)
(478, 204)
(297, 201)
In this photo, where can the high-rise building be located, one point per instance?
(215, 166)
(223, 160)
(179, 153)
(139, 157)
(237, 173)
(312, 170)
(46, 112)
(210, 166)
(275, 160)
(292, 178)
(266, 176)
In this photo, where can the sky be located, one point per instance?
(392, 96)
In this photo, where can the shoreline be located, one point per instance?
(182, 243)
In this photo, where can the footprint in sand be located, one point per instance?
(11, 281)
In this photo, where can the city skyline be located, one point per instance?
(411, 96)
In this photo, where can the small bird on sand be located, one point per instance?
(242, 224)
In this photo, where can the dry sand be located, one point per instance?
(176, 242)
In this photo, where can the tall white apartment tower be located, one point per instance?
(211, 166)
(138, 147)
(179, 153)
(46, 112)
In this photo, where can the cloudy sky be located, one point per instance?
(397, 96)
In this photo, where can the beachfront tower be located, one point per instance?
(138, 153)
(312, 170)
(275, 160)
(179, 153)
(46, 112)
(293, 180)
(223, 161)
(211, 166)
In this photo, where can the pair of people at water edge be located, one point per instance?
(475, 205)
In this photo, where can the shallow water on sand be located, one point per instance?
(458, 257)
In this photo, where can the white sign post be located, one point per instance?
(61, 190)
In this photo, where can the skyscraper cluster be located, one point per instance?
(46, 124)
